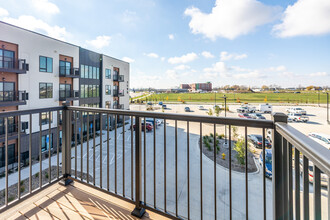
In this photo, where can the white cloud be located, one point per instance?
(305, 17)
(100, 41)
(182, 67)
(189, 57)
(207, 54)
(254, 74)
(34, 24)
(225, 56)
(318, 74)
(278, 68)
(3, 12)
(171, 36)
(230, 19)
(162, 59)
(128, 60)
(172, 74)
(152, 55)
(45, 7)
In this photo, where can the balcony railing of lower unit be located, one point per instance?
(69, 72)
(68, 95)
(14, 66)
(178, 165)
(10, 98)
(118, 78)
(118, 106)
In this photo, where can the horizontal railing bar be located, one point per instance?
(182, 117)
(30, 111)
(315, 152)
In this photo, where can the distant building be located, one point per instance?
(197, 86)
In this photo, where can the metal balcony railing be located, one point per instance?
(14, 66)
(11, 98)
(118, 78)
(69, 95)
(163, 168)
(69, 72)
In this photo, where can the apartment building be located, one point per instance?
(38, 71)
(197, 86)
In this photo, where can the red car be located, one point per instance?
(148, 126)
(244, 115)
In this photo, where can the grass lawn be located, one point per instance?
(304, 97)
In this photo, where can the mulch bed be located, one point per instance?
(235, 165)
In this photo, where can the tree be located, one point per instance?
(240, 149)
(217, 111)
(209, 112)
(264, 87)
(309, 88)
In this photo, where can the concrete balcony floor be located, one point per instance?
(76, 201)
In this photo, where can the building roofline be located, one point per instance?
(43, 35)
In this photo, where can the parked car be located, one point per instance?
(151, 120)
(256, 140)
(201, 107)
(186, 109)
(323, 139)
(298, 117)
(242, 110)
(324, 177)
(148, 126)
(164, 106)
(246, 109)
(268, 162)
(296, 110)
(257, 116)
(265, 108)
(160, 103)
(149, 103)
(244, 115)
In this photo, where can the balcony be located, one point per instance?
(69, 95)
(118, 106)
(69, 72)
(118, 93)
(118, 78)
(132, 171)
(14, 66)
(13, 98)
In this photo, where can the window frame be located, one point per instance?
(47, 85)
(46, 68)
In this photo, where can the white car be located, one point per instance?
(296, 110)
(324, 178)
(297, 117)
(201, 107)
(323, 139)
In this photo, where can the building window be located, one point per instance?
(45, 64)
(65, 90)
(11, 154)
(90, 91)
(107, 89)
(7, 58)
(82, 71)
(46, 142)
(90, 71)
(97, 73)
(11, 125)
(94, 73)
(65, 67)
(107, 104)
(82, 91)
(45, 90)
(45, 118)
(7, 91)
(86, 72)
(107, 73)
(97, 91)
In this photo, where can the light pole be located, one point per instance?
(328, 108)
(225, 97)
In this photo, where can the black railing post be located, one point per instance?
(278, 178)
(138, 210)
(66, 145)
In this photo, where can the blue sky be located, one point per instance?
(246, 42)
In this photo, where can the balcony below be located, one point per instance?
(69, 72)
(117, 93)
(69, 95)
(76, 201)
(118, 78)
(12, 98)
(118, 106)
(14, 66)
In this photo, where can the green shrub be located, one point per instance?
(11, 198)
(46, 175)
(240, 149)
(22, 189)
(221, 136)
(208, 146)
(36, 175)
(22, 182)
(211, 134)
(218, 149)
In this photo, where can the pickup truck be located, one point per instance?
(246, 109)
(296, 110)
(298, 117)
